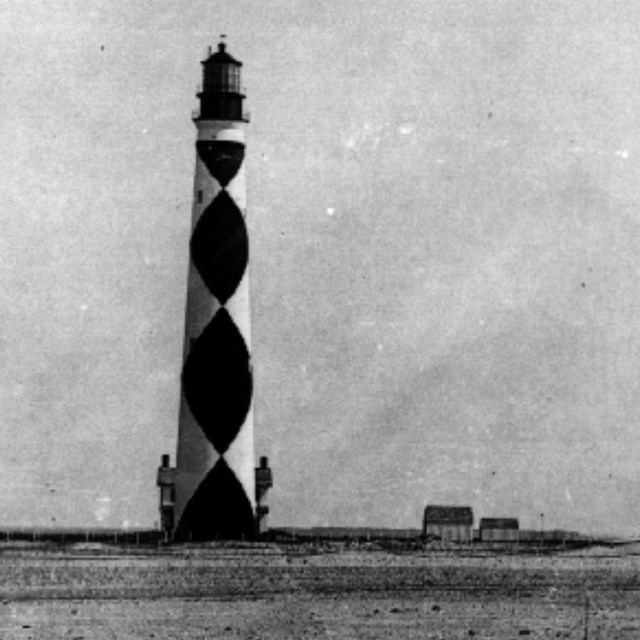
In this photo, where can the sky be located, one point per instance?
(444, 221)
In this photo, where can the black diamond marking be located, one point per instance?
(222, 158)
(219, 509)
(220, 246)
(217, 381)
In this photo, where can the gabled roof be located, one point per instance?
(437, 514)
(499, 523)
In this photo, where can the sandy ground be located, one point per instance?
(270, 592)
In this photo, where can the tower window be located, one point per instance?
(199, 196)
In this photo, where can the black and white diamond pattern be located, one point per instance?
(216, 378)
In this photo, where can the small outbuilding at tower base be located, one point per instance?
(449, 523)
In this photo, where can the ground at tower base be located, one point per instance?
(343, 590)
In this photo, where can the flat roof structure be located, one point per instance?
(499, 523)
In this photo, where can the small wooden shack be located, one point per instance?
(499, 530)
(448, 523)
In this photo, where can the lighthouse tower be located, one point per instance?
(214, 481)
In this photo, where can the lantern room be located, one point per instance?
(222, 95)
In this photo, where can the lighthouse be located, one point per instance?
(211, 492)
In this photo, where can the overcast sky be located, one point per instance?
(444, 218)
